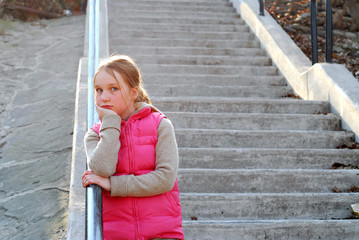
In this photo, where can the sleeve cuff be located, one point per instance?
(111, 121)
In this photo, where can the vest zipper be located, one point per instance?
(132, 171)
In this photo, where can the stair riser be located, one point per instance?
(227, 80)
(190, 15)
(265, 181)
(172, 7)
(266, 158)
(212, 91)
(215, 70)
(220, 106)
(201, 60)
(178, 20)
(294, 230)
(171, 42)
(148, 27)
(267, 206)
(176, 50)
(260, 139)
(254, 121)
(184, 35)
(177, 3)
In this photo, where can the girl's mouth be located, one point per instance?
(107, 106)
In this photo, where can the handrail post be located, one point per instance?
(313, 27)
(261, 7)
(93, 223)
(328, 32)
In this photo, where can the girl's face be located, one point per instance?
(114, 94)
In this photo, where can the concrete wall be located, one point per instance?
(324, 82)
(76, 210)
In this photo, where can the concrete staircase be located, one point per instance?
(254, 162)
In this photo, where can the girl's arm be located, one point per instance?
(159, 181)
(102, 150)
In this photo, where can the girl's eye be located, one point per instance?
(99, 90)
(113, 89)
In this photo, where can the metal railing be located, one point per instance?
(93, 192)
(261, 7)
(328, 31)
(314, 31)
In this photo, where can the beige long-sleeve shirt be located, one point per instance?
(102, 156)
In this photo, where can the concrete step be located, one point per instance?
(188, 35)
(172, 42)
(255, 121)
(176, 3)
(200, 80)
(175, 20)
(267, 206)
(203, 60)
(217, 91)
(223, 138)
(239, 105)
(272, 229)
(171, 6)
(265, 180)
(188, 3)
(273, 158)
(205, 69)
(161, 14)
(185, 51)
(178, 26)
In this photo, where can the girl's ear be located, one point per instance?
(134, 93)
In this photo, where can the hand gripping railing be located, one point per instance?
(93, 192)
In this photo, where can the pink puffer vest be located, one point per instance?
(140, 218)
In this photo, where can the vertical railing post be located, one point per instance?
(313, 27)
(320, 5)
(328, 32)
(261, 7)
(93, 192)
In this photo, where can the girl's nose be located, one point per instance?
(105, 97)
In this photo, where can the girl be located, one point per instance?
(133, 156)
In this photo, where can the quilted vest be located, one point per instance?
(140, 218)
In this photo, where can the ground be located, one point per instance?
(29, 10)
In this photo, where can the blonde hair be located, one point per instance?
(130, 73)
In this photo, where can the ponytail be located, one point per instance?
(142, 95)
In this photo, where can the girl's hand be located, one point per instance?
(103, 112)
(91, 178)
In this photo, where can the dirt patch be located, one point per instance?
(31, 10)
(294, 17)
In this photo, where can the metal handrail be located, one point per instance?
(93, 192)
(313, 30)
(328, 31)
(261, 7)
